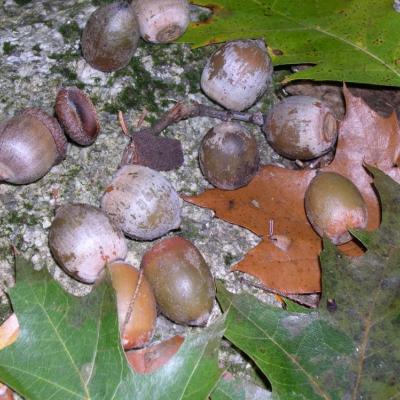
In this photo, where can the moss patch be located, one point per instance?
(65, 57)
(229, 259)
(73, 172)
(69, 76)
(20, 218)
(8, 48)
(145, 92)
(36, 49)
(70, 31)
(101, 2)
(22, 2)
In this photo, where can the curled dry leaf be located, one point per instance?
(278, 194)
(9, 331)
(5, 393)
(149, 359)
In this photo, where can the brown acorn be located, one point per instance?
(110, 37)
(334, 205)
(181, 280)
(77, 115)
(30, 144)
(229, 156)
(301, 128)
(134, 297)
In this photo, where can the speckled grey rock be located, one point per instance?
(39, 52)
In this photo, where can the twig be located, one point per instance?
(143, 115)
(122, 123)
(181, 111)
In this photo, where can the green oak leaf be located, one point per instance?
(350, 347)
(345, 40)
(366, 294)
(238, 389)
(69, 348)
(301, 354)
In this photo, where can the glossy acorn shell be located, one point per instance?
(138, 330)
(82, 240)
(110, 37)
(151, 358)
(181, 280)
(334, 205)
(142, 202)
(228, 156)
(301, 128)
(30, 144)
(237, 74)
(162, 21)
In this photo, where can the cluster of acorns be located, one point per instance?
(139, 202)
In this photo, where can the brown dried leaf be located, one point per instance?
(366, 138)
(149, 359)
(159, 153)
(383, 101)
(277, 194)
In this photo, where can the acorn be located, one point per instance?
(134, 297)
(181, 280)
(30, 144)
(229, 156)
(142, 202)
(301, 128)
(162, 21)
(110, 37)
(83, 240)
(334, 205)
(77, 115)
(237, 74)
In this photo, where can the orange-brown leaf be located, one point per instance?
(287, 261)
(275, 194)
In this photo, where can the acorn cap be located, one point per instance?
(77, 115)
(53, 127)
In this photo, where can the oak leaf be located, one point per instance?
(69, 348)
(348, 347)
(343, 40)
(286, 260)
